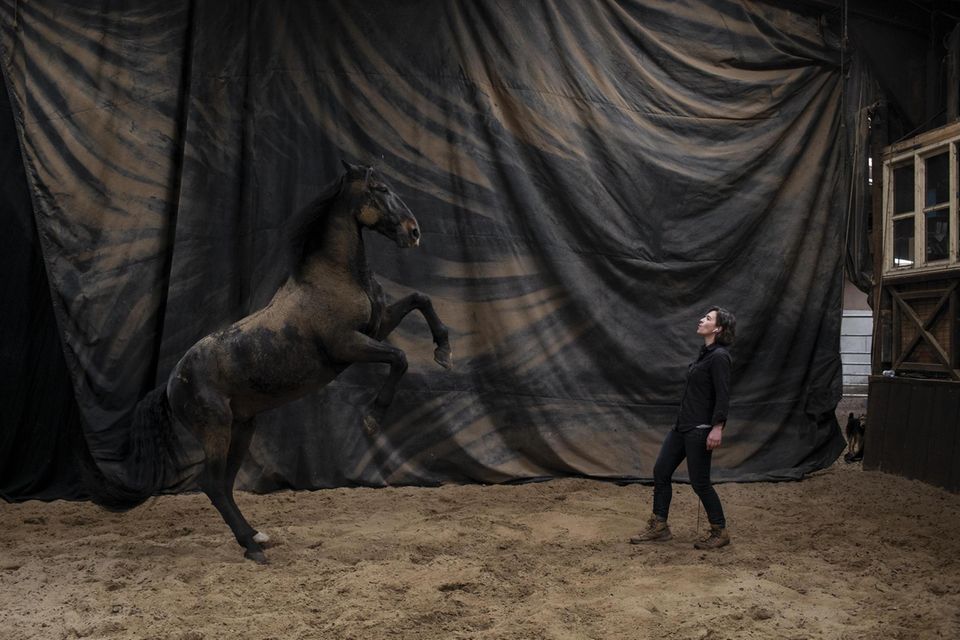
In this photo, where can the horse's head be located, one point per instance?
(379, 208)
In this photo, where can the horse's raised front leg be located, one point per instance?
(357, 347)
(396, 312)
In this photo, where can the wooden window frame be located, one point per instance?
(917, 150)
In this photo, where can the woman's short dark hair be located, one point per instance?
(727, 323)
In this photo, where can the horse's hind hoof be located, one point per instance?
(257, 556)
(443, 357)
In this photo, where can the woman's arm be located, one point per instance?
(714, 437)
(720, 374)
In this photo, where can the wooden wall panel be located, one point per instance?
(913, 429)
(878, 397)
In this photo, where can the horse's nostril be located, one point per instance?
(415, 233)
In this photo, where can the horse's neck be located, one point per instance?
(341, 248)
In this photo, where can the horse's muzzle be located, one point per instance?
(410, 236)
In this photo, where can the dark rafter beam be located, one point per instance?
(914, 16)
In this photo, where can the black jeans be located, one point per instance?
(691, 445)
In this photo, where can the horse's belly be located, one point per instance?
(283, 375)
(276, 381)
(264, 394)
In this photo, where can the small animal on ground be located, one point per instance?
(855, 430)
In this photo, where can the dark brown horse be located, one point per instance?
(328, 314)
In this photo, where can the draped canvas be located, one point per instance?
(588, 176)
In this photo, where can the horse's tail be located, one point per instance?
(154, 459)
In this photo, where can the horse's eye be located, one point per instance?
(380, 188)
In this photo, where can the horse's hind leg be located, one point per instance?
(239, 447)
(216, 480)
(397, 311)
(204, 409)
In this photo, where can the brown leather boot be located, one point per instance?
(656, 531)
(718, 537)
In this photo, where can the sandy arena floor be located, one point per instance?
(843, 554)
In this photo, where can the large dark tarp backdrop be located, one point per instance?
(588, 176)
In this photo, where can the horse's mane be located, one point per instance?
(308, 224)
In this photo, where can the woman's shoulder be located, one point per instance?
(721, 351)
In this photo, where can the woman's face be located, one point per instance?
(708, 324)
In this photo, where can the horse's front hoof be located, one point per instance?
(443, 357)
(370, 425)
(257, 556)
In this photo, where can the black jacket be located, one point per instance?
(706, 395)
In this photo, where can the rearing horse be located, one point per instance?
(328, 314)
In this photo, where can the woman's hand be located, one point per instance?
(714, 437)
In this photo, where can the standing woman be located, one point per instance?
(697, 432)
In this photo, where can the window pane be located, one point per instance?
(903, 189)
(938, 234)
(938, 180)
(903, 242)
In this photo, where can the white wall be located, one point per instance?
(856, 331)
